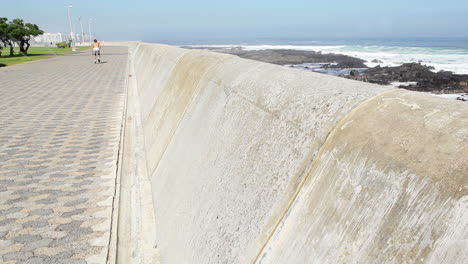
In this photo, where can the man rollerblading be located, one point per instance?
(96, 51)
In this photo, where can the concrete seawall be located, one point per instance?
(253, 162)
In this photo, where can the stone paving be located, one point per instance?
(60, 127)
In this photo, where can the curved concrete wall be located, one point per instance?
(253, 162)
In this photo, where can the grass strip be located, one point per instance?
(34, 53)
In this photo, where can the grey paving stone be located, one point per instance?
(63, 256)
(74, 212)
(34, 260)
(58, 121)
(11, 210)
(76, 202)
(83, 183)
(36, 244)
(25, 192)
(20, 199)
(3, 182)
(42, 212)
(19, 255)
(77, 192)
(67, 240)
(49, 200)
(74, 228)
(6, 221)
(56, 193)
(27, 238)
(66, 261)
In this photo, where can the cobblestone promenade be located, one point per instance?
(60, 125)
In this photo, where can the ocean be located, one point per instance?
(448, 54)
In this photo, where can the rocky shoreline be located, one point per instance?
(416, 77)
(411, 76)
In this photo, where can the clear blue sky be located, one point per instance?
(209, 19)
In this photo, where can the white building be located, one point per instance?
(48, 38)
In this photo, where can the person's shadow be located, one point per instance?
(103, 62)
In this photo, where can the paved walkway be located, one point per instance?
(60, 125)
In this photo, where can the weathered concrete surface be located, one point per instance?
(136, 225)
(60, 125)
(256, 162)
(388, 186)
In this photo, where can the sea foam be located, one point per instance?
(455, 60)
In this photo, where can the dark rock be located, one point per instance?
(427, 80)
(354, 73)
(463, 97)
(283, 57)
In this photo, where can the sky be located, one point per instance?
(182, 20)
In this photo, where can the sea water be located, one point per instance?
(448, 54)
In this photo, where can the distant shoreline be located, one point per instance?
(412, 76)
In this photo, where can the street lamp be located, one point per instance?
(82, 32)
(89, 28)
(71, 29)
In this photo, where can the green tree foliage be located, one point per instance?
(5, 38)
(22, 33)
(62, 44)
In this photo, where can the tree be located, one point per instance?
(22, 33)
(5, 34)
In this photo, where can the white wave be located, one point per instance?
(455, 60)
(292, 47)
(269, 47)
(456, 96)
(398, 84)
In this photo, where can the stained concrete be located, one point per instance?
(252, 162)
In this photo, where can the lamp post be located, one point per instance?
(71, 29)
(82, 32)
(89, 28)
